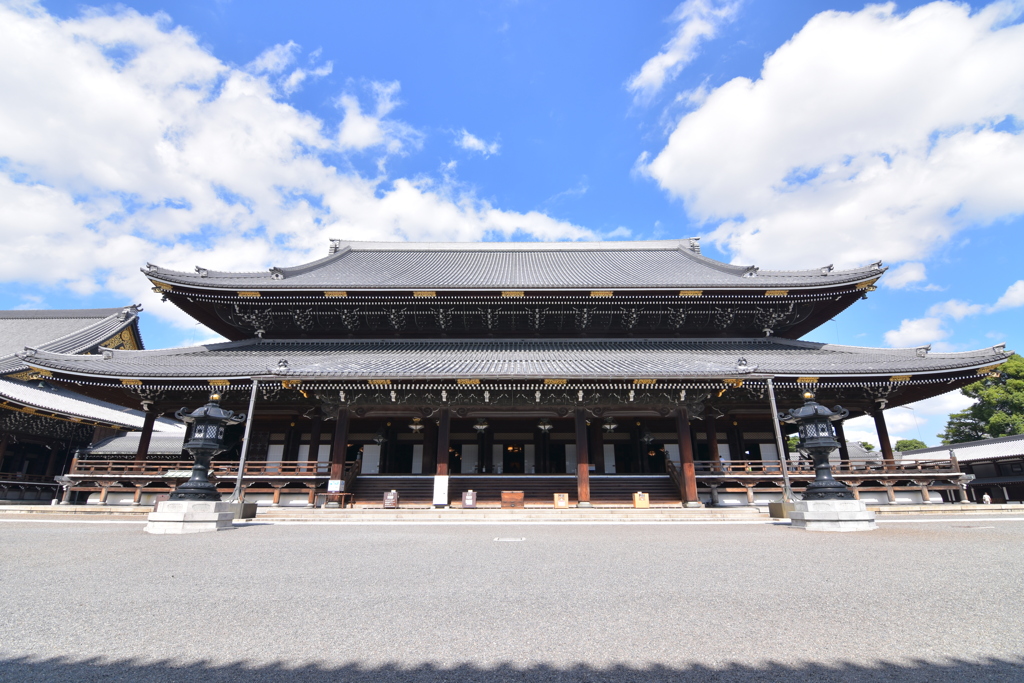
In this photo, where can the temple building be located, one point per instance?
(594, 369)
(43, 424)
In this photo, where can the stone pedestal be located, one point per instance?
(190, 516)
(832, 515)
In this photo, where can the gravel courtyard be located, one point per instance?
(719, 602)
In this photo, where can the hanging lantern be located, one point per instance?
(646, 437)
(481, 426)
(416, 427)
(545, 426)
(379, 437)
(609, 424)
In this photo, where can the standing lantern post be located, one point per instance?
(827, 505)
(207, 440)
(195, 506)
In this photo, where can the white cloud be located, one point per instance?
(699, 20)
(127, 142)
(868, 135)
(955, 309)
(472, 143)
(1012, 298)
(916, 332)
(905, 275)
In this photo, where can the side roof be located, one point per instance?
(529, 359)
(975, 450)
(668, 264)
(64, 331)
(41, 399)
(165, 443)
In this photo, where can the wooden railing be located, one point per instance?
(219, 469)
(805, 467)
(674, 473)
(26, 478)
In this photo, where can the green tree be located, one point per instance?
(792, 443)
(867, 446)
(910, 444)
(998, 409)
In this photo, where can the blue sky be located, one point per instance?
(242, 135)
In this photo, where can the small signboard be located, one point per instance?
(335, 485)
(513, 499)
(178, 474)
(469, 499)
(391, 499)
(441, 490)
(561, 501)
(641, 500)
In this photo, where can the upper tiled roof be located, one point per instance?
(524, 359)
(668, 264)
(71, 331)
(974, 450)
(65, 403)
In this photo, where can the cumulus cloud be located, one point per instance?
(917, 332)
(905, 275)
(1012, 298)
(124, 141)
(699, 20)
(924, 330)
(868, 135)
(472, 143)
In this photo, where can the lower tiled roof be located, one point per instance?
(523, 359)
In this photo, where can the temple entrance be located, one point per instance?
(513, 460)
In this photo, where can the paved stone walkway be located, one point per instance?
(912, 601)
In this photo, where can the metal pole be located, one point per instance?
(237, 493)
(788, 491)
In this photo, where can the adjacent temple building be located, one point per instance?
(596, 369)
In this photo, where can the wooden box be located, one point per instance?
(391, 499)
(641, 500)
(513, 499)
(469, 499)
(561, 501)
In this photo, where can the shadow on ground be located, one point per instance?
(24, 669)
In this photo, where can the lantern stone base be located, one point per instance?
(190, 517)
(832, 515)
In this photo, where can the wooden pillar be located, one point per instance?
(444, 425)
(883, 438)
(595, 446)
(315, 430)
(339, 447)
(147, 432)
(688, 490)
(292, 439)
(737, 449)
(51, 465)
(582, 461)
(429, 446)
(844, 451)
(137, 500)
(3, 450)
(711, 430)
(104, 490)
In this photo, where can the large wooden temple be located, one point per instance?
(595, 369)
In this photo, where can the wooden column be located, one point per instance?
(711, 429)
(3, 450)
(582, 461)
(51, 464)
(689, 487)
(147, 432)
(429, 446)
(444, 425)
(844, 451)
(314, 437)
(596, 446)
(883, 437)
(339, 447)
(292, 439)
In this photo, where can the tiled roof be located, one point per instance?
(42, 396)
(170, 443)
(974, 450)
(523, 359)
(71, 331)
(515, 265)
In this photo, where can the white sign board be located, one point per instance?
(335, 486)
(441, 489)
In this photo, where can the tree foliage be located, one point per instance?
(867, 446)
(998, 409)
(910, 444)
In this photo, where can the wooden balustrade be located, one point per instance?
(218, 469)
(26, 478)
(805, 467)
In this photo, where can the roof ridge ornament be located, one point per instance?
(695, 245)
(203, 272)
(825, 270)
(922, 351)
(276, 273)
(335, 246)
(751, 271)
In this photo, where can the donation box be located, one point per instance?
(561, 501)
(512, 499)
(469, 499)
(641, 500)
(391, 499)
